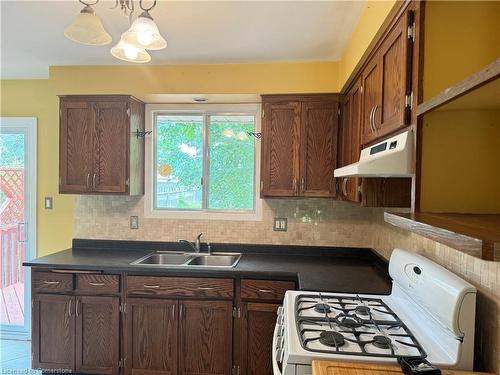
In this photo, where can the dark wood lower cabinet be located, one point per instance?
(53, 332)
(205, 337)
(151, 334)
(97, 334)
(257, 328)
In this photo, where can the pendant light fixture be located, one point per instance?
(144, 33)
(87, 28)
(128, 52)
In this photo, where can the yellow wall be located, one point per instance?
(461, 162)
(461, 37)
(33, 98)
(461, 157)
(207, 79)
(371, 19)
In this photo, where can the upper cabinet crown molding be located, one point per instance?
(99, 152)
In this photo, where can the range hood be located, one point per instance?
(389, 158)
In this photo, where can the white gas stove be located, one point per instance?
(429, 314)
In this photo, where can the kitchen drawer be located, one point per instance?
(98, 284)
(179, 287)
(52, 282)
(265, 289)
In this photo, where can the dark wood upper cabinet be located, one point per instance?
(205, 339)
(76, 158)
(151, 334)
(97, 334)
(258, 321)
(280, 148)
(350, 141)
(386, 83)
(299, 145)
(318, 148)
(53, 333)
(100, 152)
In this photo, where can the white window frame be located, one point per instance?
(203, 109)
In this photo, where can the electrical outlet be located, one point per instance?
(280, 224)
(134, 222)
(48, 203)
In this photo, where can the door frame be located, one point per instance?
(28, 126)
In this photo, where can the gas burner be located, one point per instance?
(348, 321)
(322, 308)
(362, 310)
(382, 342)
(330, 338)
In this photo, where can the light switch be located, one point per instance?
(134, 222)
(280, 224)
(48, 203)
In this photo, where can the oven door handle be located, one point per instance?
(276, 369)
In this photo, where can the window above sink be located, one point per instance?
(202, 161)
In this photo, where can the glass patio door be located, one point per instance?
(17, 222)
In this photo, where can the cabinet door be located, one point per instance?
(97, 335)
(205, 341)
(395, 69)
(53, 342)
(111, 136)
(371, 97)
(75, 147)
(350, 141)
(151, 337)
(258, 321)
(280, 148)
(318, 148)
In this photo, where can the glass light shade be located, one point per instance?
(128, 52)
(87, 28)
(144, 33)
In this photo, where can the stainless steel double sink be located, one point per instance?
(188, 260)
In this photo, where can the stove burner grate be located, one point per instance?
(382, 342)
(322, 308)
(331, 338)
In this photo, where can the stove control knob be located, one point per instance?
(281, 330)
(280, 311)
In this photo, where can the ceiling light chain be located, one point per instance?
(142, 35)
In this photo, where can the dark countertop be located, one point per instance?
(341, 270)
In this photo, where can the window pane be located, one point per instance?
(179, 161)
(231, 171)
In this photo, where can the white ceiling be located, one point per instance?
(197, 32)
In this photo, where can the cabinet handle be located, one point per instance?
(371, 120)
(173, 312)
(88, 180)
(294, 186)
(205, 288)
(69, 307)
(302, 184)
(76, 307)
(181, 311)
(265, 291)
(52, 282)
(344, 186)
(96, 284)
(374, 118)
(151, 286)
(93, 180)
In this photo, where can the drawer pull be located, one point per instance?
(52, 282)
(96, 284)
(205, 288)
(69, 307)
(151, 286)
(265, 291)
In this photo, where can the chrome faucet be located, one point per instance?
(196, 246)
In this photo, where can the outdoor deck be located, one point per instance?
(12, 304)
